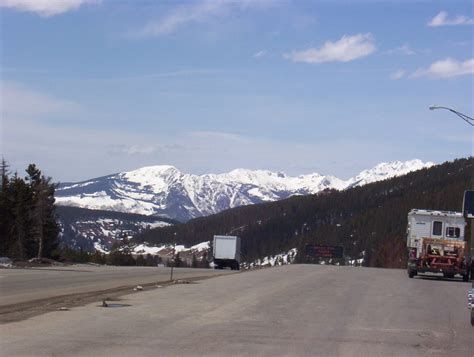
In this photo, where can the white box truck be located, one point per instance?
(435, 242)
(226, 252)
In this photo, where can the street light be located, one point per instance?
(464, 117)
(174, 257)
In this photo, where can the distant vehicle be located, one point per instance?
(226, 252)
(470, 304)
(435, 242)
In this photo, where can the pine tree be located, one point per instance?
(21, 204)
(178, 262)
(44, 229)
(6, 217)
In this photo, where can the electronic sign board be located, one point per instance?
(324, 251)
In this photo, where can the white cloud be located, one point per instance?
(17, 100)
(199, 12)
(399, 74)
(143, 150)
(446, 68)
(348, 48)
(404, 50)
(260, 54)
(442, 20)
(46, 8)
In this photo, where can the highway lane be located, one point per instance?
(22, 285)
(292, 310)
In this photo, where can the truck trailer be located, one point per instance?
(226, 252)
(435, 243)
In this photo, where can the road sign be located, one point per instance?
(324, 251)
(468, 204)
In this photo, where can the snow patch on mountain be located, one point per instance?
(384, 171)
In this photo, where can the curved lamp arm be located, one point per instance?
(464, 117)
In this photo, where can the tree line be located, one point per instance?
(28, 227)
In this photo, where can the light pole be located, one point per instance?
(470, 121)
(174, 257)
(464, 117)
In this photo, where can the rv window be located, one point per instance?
(453, 232)
(437, 228)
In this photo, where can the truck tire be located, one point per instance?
(411, 273)
(465, 277)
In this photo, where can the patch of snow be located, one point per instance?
(274, 260)
(201, 246)
(146, 249)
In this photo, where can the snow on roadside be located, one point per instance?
(153, 250)
(273, 260)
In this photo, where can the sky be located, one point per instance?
(95, 87)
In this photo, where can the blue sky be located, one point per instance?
(94, 87)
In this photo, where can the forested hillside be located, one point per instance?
(370, 219)
(92, 230)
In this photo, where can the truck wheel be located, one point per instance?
(411, 273)
(465, 277)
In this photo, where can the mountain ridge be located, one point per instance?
(163, 190)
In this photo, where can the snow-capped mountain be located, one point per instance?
(386, 171)
(164, 190)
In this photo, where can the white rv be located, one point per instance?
(435, 242)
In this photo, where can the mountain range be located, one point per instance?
(167, 192)
(368, 221)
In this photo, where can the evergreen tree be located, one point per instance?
(178, 262)
(97, 258)
(140, 260)
(194, 263)
(20, 194)
(28, 226)
(121, 253)
(6, 217)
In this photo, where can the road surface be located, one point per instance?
(291, 310)
(22, 285)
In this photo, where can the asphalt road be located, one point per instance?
(292, 310)
(22, 285)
